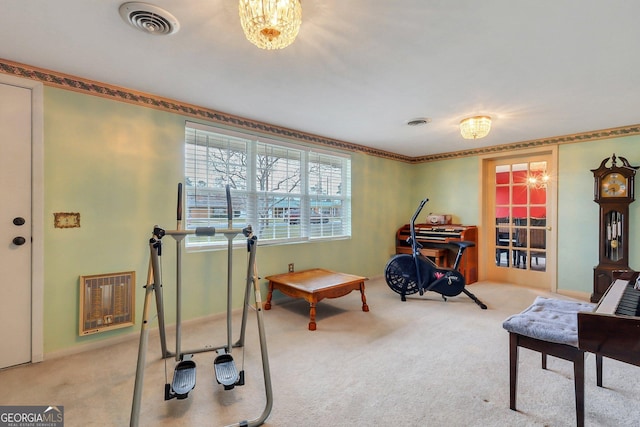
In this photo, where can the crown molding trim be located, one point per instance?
(617, 132)
(91, 87)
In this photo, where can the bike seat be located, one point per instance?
(462, 244)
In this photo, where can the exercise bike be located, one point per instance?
(407, 274)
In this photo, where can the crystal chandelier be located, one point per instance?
(270, 24)
(475, 127)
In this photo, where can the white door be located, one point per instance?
(15, 225)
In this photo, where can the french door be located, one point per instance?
(519, 194)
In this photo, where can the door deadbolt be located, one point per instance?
(18, 220)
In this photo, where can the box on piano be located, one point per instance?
(438, 219)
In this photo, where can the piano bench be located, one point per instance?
(439, 256)
(549, 326)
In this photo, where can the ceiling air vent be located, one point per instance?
(149, 18)
(419, 122)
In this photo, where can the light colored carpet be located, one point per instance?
(423, 362)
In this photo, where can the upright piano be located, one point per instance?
(435, 243)
(613, 328)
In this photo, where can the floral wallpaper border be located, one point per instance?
(90, 87)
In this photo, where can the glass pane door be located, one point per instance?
(521, 215)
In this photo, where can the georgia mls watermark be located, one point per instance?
(31, 416)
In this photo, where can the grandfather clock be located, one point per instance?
(613, 191)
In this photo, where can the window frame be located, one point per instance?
(327, 225)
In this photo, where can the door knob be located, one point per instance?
(18, 220)
(19, 241)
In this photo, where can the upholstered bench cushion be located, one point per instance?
(549, 319)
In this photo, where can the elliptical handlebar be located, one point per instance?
(229, 207)
(179, 209)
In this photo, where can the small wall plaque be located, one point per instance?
(66, 220)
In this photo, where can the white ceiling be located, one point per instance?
(360, 69)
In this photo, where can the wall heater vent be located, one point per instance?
(107, 301)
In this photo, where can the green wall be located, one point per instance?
(118, 165)
(452, 188)
(578, 213)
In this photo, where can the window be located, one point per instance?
(286, 192)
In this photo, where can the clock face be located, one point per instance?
(614, 185)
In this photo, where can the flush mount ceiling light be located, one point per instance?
(475, 127)
(149, 18)
(270, 24)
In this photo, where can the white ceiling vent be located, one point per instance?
(149, 18)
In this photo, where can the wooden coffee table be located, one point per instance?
(315, 285)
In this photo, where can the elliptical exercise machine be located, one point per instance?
(226, 372)
(407, 274)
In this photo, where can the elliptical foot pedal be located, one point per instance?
(184, 379)
(226, 371)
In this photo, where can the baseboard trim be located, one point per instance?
(585, 296)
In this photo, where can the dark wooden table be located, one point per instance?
(315, 285)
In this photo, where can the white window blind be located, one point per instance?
(285, 192)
